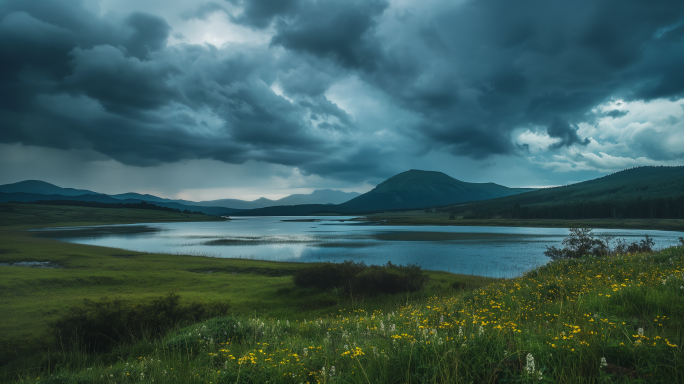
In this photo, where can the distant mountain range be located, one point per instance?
(32, 190)
(319, 196)
(412, 189)
(643, 192)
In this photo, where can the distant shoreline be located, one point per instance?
(675, 225)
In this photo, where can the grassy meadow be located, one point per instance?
(589, 320)
(30, 298)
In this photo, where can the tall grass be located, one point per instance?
(611, 319)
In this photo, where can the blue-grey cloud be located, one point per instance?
(203, 11)
(464, 76)
(566, 135)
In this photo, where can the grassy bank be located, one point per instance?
(589, 320)
(441, 218)
(32, 297)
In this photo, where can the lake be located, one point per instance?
(484, 251)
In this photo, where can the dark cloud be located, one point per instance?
(565, 133)
(149, 33)
(456, 78)
(121, 83)
(114, 86)
(203, 11)
(341, 31)
(260, 13)
(615, 113)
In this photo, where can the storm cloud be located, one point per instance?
(339, 89)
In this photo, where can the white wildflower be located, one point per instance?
(530, 364)
(604, 363)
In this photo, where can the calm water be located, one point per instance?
(486, 251)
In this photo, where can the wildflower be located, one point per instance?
(530, 364)
(604, 363)
(480, 331)
(640, 331)
(306, 351)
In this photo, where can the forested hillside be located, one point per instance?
(640, 193)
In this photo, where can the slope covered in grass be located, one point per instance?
(641, 193)
(610, 319)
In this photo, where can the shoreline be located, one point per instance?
(673, 225)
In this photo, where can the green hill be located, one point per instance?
(419, 189)
(644, 192)
(412, 189)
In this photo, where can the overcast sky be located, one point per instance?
(247, 98)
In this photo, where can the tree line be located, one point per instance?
(638, 193)
(639, 208)
(95, 204)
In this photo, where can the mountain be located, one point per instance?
(100, 198)
(412, 189)
(237, 204)
(643, 192)
(43, 188)
(419, 189)
(319, 196)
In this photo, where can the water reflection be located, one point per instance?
(487, 251)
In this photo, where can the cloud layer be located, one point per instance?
(347, 89)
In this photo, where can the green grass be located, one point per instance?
(589, 320)
(440, 218)
(32, 297)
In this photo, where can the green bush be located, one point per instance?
(98, 325)
(358, 278)
(581, 242)
(328, 275)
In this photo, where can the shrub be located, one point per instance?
(98, 325)
(643, 246)
(581, 242)
(389, 278)
(328, 275)
(357, 278)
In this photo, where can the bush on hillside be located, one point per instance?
(358, 278)
(98, 325)
(581, 242)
